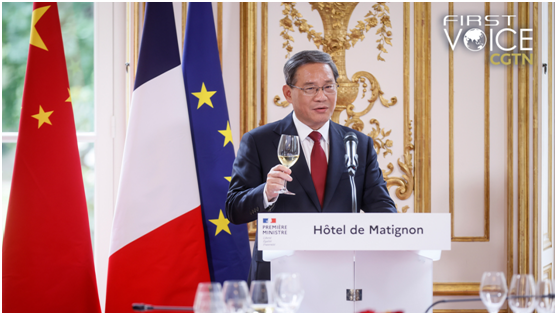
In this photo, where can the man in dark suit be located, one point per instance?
(319, 178)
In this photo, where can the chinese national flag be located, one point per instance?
(47, 258)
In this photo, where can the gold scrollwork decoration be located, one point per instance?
(406, 183)
(277, 102)
(380, 143)
(337, 38)
(354, 120)
(403, 210)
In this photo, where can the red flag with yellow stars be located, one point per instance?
(47, 258)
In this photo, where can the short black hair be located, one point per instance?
(304, 57)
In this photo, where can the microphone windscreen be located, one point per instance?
(350, 136)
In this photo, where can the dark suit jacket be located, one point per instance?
(258, 154)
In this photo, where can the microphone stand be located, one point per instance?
(551, 296)
(351, 160)
(140, 307)
(351, 174)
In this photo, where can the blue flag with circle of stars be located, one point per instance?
(228, 251)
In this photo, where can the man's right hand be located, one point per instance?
(275, 181)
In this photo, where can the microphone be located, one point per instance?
(351, 160)
(351, 157)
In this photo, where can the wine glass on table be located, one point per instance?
(262, 296)
(236, 296)
(288, 153)
(521, 294)
(493, 290)
(289, 292)
(208, 298)
(545, 304)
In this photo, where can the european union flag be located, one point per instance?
(227, 244)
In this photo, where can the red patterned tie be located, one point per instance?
(318, 166)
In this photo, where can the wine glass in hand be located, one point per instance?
(493, 290)
(288, 152)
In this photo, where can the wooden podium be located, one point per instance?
(350, 262)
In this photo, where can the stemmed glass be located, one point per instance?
(522, 285)
(493, 290)
(208, 298)
(236, 296)
(288, 152)
(262, 296)
(546, 304)
(289, 292)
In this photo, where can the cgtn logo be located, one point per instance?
(475, 39)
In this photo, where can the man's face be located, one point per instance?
(312, 110)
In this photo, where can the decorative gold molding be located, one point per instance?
(252, 226)
(134, 23)
(547, 270)
(248, 77)
(548, 243)
(456, 288)
(264, 47)
(523, 152)
(406, 187)
(184, 18)
(136, 31)
(422, 106)
(406, 75)
(219, 30)
(485, 237)
(252, 230)
(451, 123)
(535, 122)
(248, 66)
(510, 157)
(487, 190)
(128, 61)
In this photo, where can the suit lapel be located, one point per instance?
(336, 162)
(300, 170)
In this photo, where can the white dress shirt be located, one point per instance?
(307, 146)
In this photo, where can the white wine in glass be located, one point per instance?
(288, 161)
(288, 152)
(493, 290)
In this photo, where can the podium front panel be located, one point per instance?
(325, 277)
(394, 281)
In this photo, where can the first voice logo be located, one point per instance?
(475, 39)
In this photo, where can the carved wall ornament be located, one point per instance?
(337, 15)
(380, 143)
(406, 183)
(403, 210)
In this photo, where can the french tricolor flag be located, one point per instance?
(157, 253)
